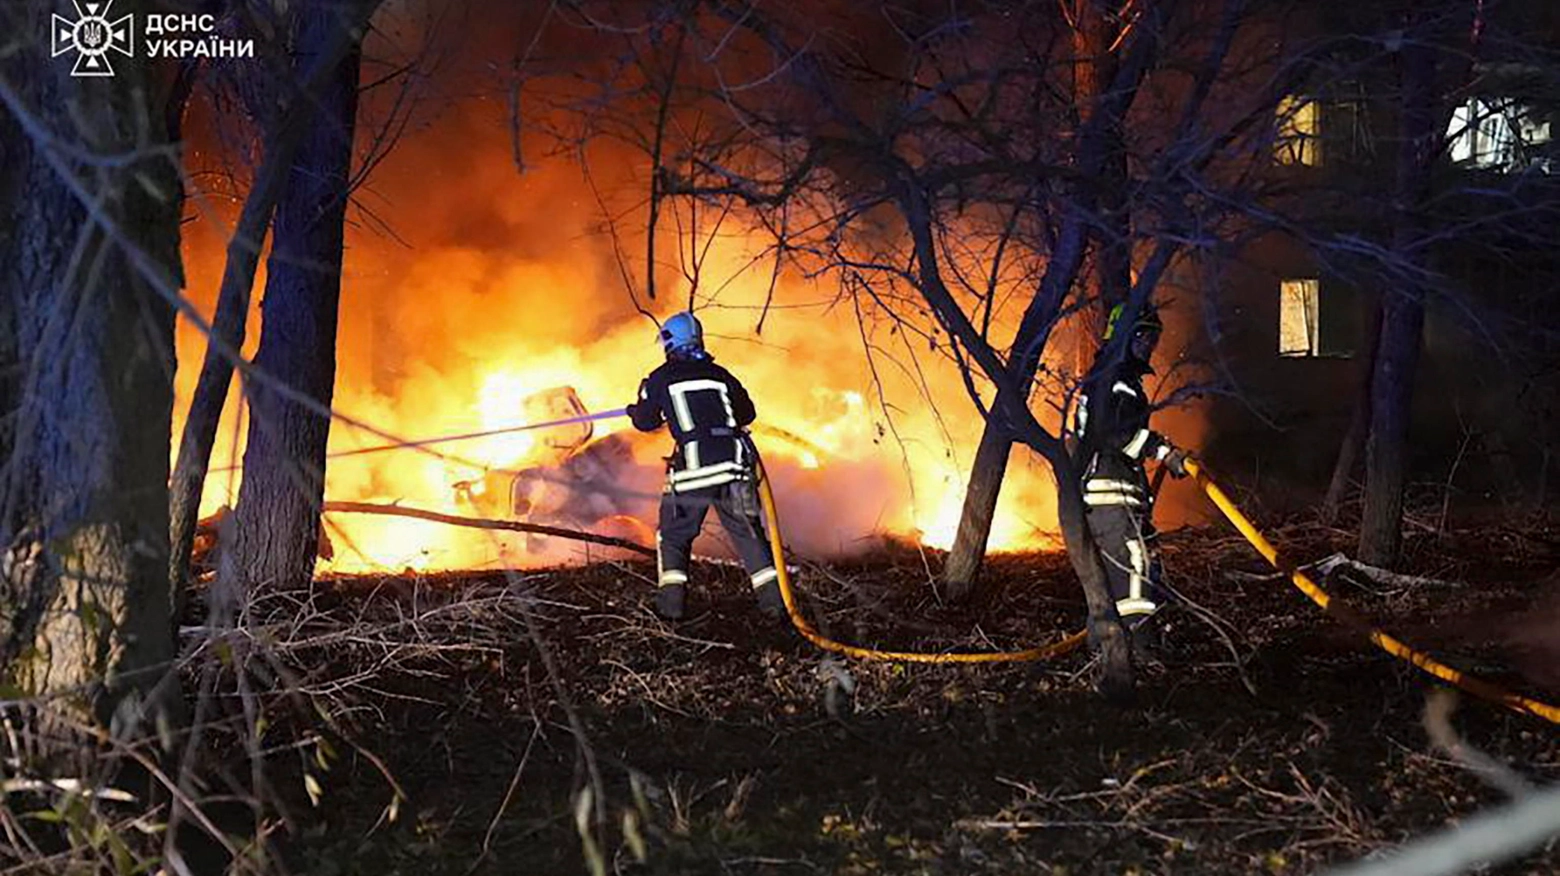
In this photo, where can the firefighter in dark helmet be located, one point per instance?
(707, 410)
(1114, 441)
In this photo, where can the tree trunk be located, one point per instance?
(279, 500)
(990, 465)
(238, 278)
(1095, 68)
(980, 506)
(1105, 630)
(1359, 421)
(1386, 450)
(87, 393)
(1402, 317)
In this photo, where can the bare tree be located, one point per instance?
(1425, 113)
(1359, 422)
(89, 183)
(1099, 31)
(1449, 86)
(283, 106)
(278, 512)
(945, 173)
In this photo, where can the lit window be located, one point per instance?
(1299, 309)
(1299, 139)
(1498, 134)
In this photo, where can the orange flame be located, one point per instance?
(509, 288)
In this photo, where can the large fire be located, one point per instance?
(500, 287)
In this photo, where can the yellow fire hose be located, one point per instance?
(1476, 686)
(772, 524)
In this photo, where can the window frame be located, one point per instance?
(1499, 133)
(1299, 131)
(1310, 310)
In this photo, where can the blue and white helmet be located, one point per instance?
(681, 334)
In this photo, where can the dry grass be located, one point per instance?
(481, 723)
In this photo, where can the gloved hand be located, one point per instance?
(1175, 461)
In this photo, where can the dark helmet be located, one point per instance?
(1147, 321)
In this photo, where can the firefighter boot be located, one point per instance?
(1143, 633)
(669, 601)
(770, 601)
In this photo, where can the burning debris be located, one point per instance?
(572, 481)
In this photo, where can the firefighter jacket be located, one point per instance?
(1111, 426)
(707, 409)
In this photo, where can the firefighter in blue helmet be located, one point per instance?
(708, 411)
(1114, 442)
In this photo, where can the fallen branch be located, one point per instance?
(1384, 577)
(1237, 576)
(486, 523)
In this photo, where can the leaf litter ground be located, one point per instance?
(727, 744)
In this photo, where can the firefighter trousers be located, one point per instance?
(1127, 541)
(682, 517)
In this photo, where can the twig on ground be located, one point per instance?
(503, 806)
(1221, 629)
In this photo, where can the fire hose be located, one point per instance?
(486, 433)
(1297, 576)
(808, 632)
(1476, 686)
